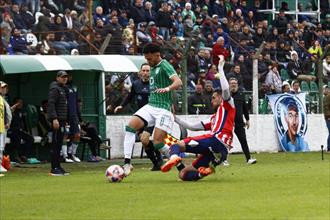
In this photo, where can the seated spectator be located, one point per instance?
(213, 76)
(18, 19)
(326, 69)
(99, 15)
(197, 102)
(295, 87)
(142, 36)
(315, 49)
(94, 141)
(18, 43)
(282, 53)
(17, 133)
(273, 80)
(286, 87)
(6, 26)
(295, 69)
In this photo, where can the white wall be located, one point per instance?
(261, 136)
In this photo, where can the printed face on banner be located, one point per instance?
(291, 122)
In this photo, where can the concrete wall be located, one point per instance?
(261, 136)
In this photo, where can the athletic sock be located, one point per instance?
(163, 148)
(74, 147)
(64, 151)
(129, 142)
(151, 153)
(127, 161)
(180, 166)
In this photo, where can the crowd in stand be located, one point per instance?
(232, 28)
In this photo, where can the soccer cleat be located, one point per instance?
(56, 172)
(127, 169)
(175, 160)
(225, 163)
(252, 161)
(2, 169)
(205, 171)
(1, 175)
(75, 158)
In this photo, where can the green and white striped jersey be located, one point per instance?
(160, 78)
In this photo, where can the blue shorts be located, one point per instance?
(209, 148)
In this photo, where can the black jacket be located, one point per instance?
(241, 108)
(57, 102)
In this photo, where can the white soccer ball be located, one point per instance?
(114, 173)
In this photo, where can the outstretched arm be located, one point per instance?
(197, 126)
(223, 81)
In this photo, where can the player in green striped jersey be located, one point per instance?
(163, 80)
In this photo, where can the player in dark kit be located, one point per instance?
(140, 92)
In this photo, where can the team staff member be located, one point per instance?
(58, 116)
(241, 109)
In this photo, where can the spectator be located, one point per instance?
(258, 38)
(281, 22)
(57, 115)
(295, 86)
(236, 73)
(316, 50)
(150, 14)
(17, 133)
(187, 11)
(219, 49)
(142, 36)
(326, 69)
(27, 17)
(115, 46)
(6, 26)
(218, 8)
(137, 12)
(163, 21)
(208, 92)
(273, 80)
(18, 19)
(197, 103)
(295, 69)
(286, 87)
(213, 76)
(18, 43)
(99, 15)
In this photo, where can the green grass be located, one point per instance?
(279, 186)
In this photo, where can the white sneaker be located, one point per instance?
(252, 161)
(68, 160)
(225, 163)
(2, 169)
(127, 169)
(75, 158)
(1, 175)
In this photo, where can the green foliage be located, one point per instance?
(279, 186)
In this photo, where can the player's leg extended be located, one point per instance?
(199, 168)
(174, 160)
(134, 124)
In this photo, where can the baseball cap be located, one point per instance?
(215, 16)
(3, 84)
(61, 73)
(324, 87)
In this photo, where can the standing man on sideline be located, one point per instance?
(140, 92)
(241, 109)
(326, 111)
(58, 116)
(163, 80)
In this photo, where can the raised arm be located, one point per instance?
(223, 80)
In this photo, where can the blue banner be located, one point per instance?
(290, 120)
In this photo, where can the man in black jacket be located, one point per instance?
(241, 109)
(58, 116)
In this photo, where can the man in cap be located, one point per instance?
(58, 116)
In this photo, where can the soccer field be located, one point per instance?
(279, 186)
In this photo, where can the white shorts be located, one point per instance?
(158, 117)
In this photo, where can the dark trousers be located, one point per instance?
(57, 141)
(328, 126)
(94, 143)
(25, 149)
(240, 133)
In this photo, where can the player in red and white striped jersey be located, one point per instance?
(213, 147)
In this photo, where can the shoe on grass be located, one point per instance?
(225, 163)
(127, 169)
(75, 158)
(252, 161)
(173, 161)
(2, 169)
(56, 172)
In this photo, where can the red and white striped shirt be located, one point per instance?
(221, 124)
